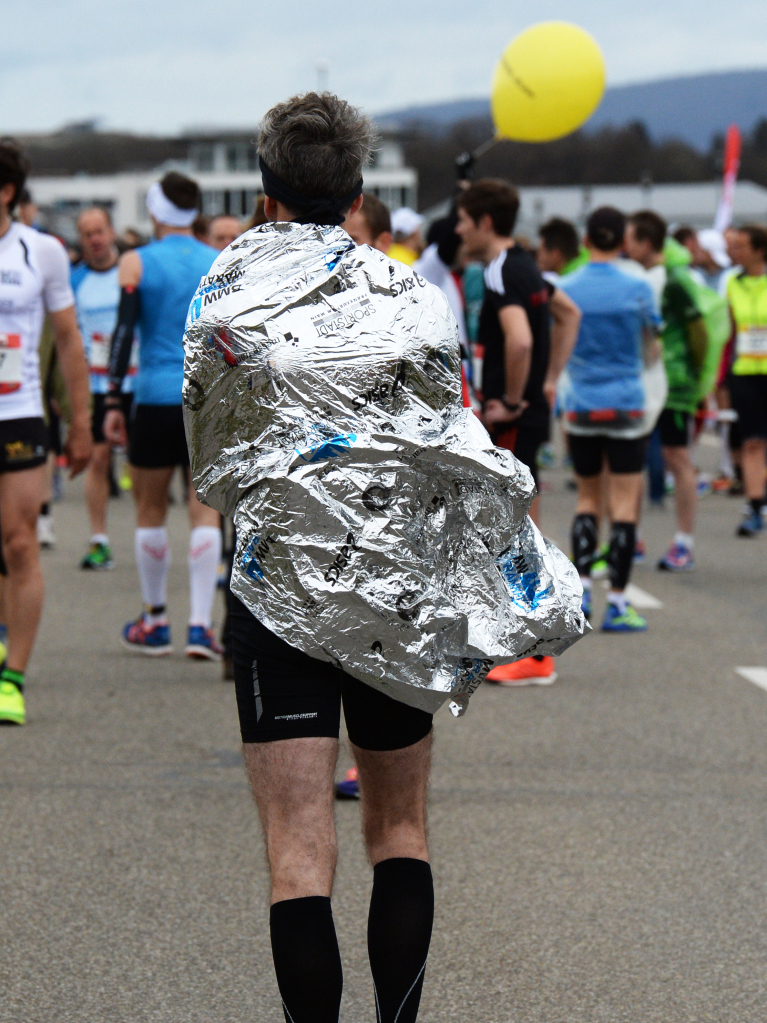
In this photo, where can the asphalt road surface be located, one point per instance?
(599, 846)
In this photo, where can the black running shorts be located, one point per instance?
(283, 693)
(674, 428)
(100, 411)
(523, 441)
(748, 396)
(623, 456)
(157, 438)
(23, 443)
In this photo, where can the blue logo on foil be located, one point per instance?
(254, 554)
(326, 449)
(523, 582)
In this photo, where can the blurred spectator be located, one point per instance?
(709, 256)
(684, 235)
(131, 239)
(222, 231)
(27, 211)
(559, 251)
(201, 227)
(370, 225)
(74, 252)
(408, 240)
(259, 217)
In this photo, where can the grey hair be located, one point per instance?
(317, 144)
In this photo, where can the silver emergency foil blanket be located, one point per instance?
(377, 525)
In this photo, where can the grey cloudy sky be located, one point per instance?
(157, 65)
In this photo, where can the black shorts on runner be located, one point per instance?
(674, 428)
(748, 396)
(524, 441)
(623, 456)
(23, 443)
(157, 438)
(100, 410)
(283, 693)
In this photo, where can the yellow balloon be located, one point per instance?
(549, 80)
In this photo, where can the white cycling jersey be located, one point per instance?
(34, 278)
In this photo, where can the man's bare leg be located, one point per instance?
(292, 784)
(97, 488)
(685, 486)
(20, 498)
(754, 466)
(393, 790)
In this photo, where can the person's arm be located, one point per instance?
(60, 304)
(74, 369)
(566, 320)
(129, 278)
(517, 355)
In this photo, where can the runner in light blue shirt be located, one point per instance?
(157, 283)
(97, 296)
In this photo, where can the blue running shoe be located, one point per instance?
(202, 644)
(623, 621)
(752, 524)
(140, 638)
(678, 559)
(586, 603)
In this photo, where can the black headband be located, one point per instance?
(331, 212)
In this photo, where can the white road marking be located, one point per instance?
(756, 675)
(641, 599)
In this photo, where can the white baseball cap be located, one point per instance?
(405, 221)
(713, 242)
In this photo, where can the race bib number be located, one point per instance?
(10, 363)
(99, 354)
(752, 342)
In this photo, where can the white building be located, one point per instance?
(226, 170)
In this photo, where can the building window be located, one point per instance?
(202, 156)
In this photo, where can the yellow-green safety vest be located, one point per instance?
(748, 302)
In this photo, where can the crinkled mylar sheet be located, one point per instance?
(377, 525)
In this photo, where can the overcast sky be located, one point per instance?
(161, 66)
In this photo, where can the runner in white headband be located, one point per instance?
(166, 212)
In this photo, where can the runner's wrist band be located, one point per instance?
(512, 406)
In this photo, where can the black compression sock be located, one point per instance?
(621, 554)
(306, 959)
(399, 932)
(45, 508)
(584, 540)
(757, 503)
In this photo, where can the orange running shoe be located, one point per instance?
(530, 671)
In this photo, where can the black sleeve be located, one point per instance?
(514, 292)
(122, 339)
(443, 233)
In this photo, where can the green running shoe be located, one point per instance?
(99, 557)
(628, 621)
(599, 567)
(12, 711)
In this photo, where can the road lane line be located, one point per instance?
(756, 675)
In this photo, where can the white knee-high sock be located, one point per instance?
(204, 558)
(153, 562)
